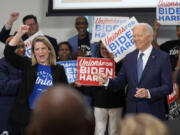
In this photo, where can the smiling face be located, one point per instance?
(64, 52)
(141, 37)
(41, 53)
(81, 25)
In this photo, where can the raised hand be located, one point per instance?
(23, 29)
(13, 17)
(156, 25)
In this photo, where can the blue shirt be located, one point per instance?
(44, 80)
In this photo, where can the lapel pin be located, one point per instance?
(153, 57)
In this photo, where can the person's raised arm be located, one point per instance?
(22, 30)
(155, 34)
(12, 18)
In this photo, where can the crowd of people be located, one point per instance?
(35, 97)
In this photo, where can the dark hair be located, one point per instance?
(64, 42)
(177, 26)
(29, 17)
(83, 18)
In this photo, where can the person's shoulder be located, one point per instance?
(49, 37)
(132, 53)
(169, 43)
(73, 37)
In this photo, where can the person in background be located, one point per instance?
(61, 111)
(29, 20)
(5, 31)
(38, 73)
(143, 124)
(147, 72)
(172, 47)
(108, 104)
(10, 79)
(173, 125)
(81, 43)
(64, 51)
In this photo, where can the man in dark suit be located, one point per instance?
(29, 20)
(147, 71)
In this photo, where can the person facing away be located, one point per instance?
(10, 79)
(80, 43)
(38, 73)
(61, 111)
(64, 51)
(108, 104)
(147, 71)
(143, 124)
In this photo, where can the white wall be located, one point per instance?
(59, 27)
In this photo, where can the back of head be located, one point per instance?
(60, 111)
(143, 124)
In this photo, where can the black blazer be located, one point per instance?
(21, 111)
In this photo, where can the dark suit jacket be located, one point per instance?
(156, 77)
(21, 111)
(10, 79)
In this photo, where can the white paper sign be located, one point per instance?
(28, 43)
(103, 25)
(168, 12)
(120, 41)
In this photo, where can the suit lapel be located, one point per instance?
(149, 63)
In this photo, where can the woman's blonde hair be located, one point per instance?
(52, 54)
(143, 124)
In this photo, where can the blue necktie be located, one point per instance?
(140, 66)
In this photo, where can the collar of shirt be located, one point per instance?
(146, 55)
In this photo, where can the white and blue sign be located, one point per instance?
(168, 12)
(120, 41)
(70, 69)
(103, 25)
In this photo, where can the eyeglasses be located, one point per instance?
(31, 25)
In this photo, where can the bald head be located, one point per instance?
(61, 110)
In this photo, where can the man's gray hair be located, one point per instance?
(149, 28)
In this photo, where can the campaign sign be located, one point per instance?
(171, 97)
(70, 69)
(120, 41)
(89, 68)
(103, 25)
(28, 43)
(168, 12)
